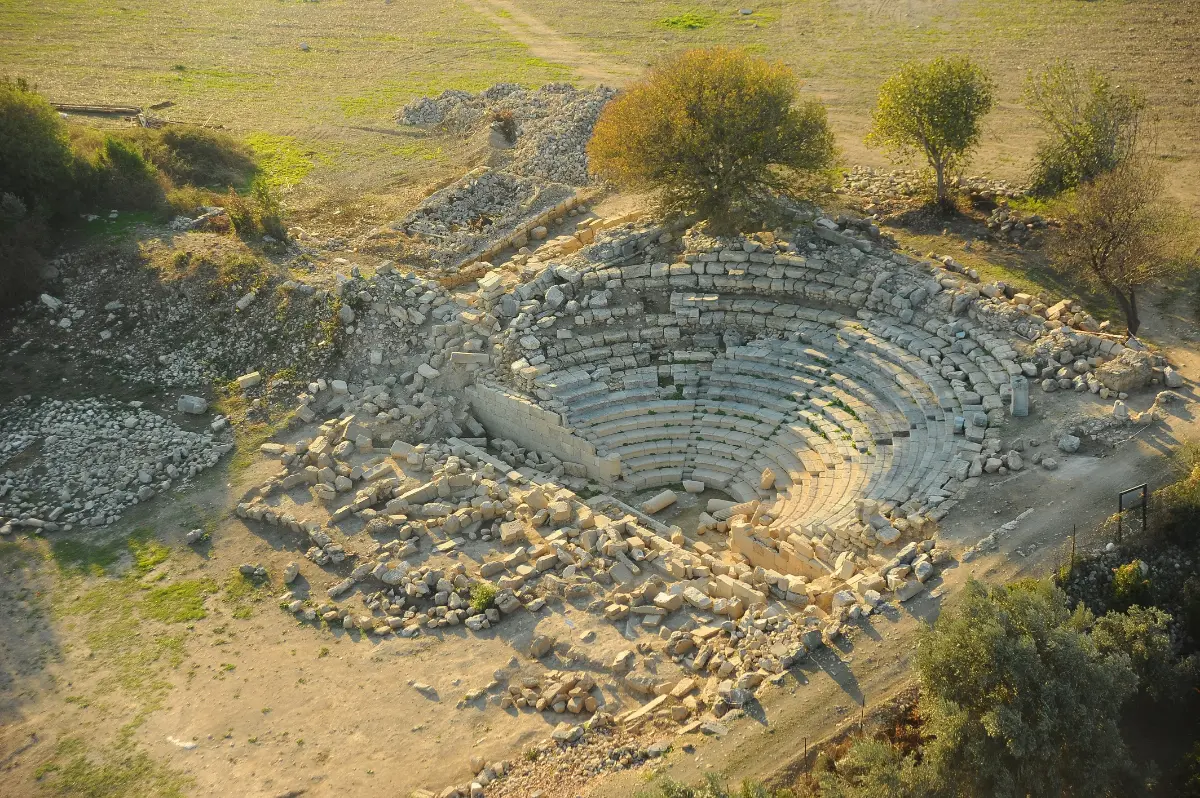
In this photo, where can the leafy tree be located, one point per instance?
(36, 162)
(711, 131)
(1019, 701)
(934, 109)
(1092, 126)
(1121, 233)
(1141, 635)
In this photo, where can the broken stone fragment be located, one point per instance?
(250, 380)
(659, 502)
(194, 405)
(540, 646)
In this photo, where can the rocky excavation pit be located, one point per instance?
(498, 459)
(843, 396)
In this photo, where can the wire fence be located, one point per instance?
(1141, 517)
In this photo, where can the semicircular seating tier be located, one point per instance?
(847, 410)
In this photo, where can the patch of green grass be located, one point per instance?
(1026, 269)
(241, 593)
(178, 602)
(130, 655)
(1038, 205)
(118, 771)
(80, 555)
(147, 553)
(13, 553)
(104, 228)
(687, 21)
(248, 436)
(283, 161)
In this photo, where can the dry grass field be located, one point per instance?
(328, 112)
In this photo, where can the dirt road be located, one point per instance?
(546, 43)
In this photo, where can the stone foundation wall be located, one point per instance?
(509, 415)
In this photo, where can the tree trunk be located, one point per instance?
(939, 169)
(1128, 307)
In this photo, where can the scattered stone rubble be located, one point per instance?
(477, 211)
(121, 318)
(881, 185)
(539, 174)
(470, 455)
(84, 462)
(554, 124)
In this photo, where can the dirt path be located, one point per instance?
(547, 43)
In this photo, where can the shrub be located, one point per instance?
(36, 162)
(201, 157)
(1142, 635)
(123, 178)
(934, 109)
(1130, 586)
(483, 596)
(1190, 788)
(241, 214)
(21, 260)
(1190, 601)
(1092, 126)
(270, 216)
(186, 200)
(1176, 507)
(713, 787)
(711, 132)
(874, 768)
(257, 214)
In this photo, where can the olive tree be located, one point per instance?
(711, 132)
(1143, 635)
(1092, 126)
(933, 109)
(1121, 233)
(1019, 701)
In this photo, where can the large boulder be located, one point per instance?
(1127, 373)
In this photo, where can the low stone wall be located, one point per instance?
(520, 234)
(509, 415)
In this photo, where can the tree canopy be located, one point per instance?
(1019, 699)
(1121, 233)
(1092, 126)
(711, 131)
(935, 109)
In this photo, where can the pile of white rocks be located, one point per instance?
(83, 462)
(554, 124)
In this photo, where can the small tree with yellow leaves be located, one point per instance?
(711, 132)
